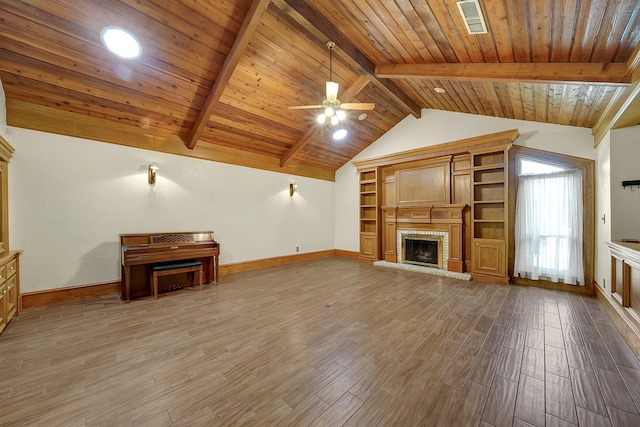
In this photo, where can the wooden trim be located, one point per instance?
(62, 295)
(615, 112)
(6, 150)
(588, 194)
(545, 284)
(622, 109)
(347, 254)
(439, 150)
(629, 329)
(500, 280)
(611, 74)
(271, 262)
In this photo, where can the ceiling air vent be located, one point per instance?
(472, 15)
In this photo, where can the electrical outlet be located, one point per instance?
(297, 248)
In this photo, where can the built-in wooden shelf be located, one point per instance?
(468, 176)
(369, 214)
(489, 213)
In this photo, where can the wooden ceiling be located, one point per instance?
(216, 77)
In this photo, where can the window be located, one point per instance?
(549, 223)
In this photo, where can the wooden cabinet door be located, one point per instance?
(11, 298)
(489, 258)
(369, 246)
(3, 306)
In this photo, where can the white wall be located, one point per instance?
(436, 127)
(625, 166)
(603, 210)
(70, 198)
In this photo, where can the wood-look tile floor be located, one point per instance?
(323, 343)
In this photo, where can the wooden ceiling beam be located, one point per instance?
(549, 73)
(353, 90)
(624, 107)
(249, 26)
(320, 26)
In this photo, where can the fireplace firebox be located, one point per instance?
(422, 250)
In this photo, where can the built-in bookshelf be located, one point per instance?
(464, 180)
(488, 213)
(369, 214)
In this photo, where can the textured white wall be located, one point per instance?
(436, 127)
(71, 198)
(603, 209)
(625, 166)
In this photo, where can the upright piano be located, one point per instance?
(139, 251)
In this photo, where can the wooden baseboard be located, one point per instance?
(489, 278)
(62, 295)
(626, 325)
(347, 254)
(587, 289)
(272, 262)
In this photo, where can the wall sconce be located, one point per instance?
(292, 188)
(153, 167)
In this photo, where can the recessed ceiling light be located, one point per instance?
(339, 134)
(362, 116)
(121, 42)
(439, 90)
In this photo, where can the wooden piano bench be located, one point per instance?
(174, 267)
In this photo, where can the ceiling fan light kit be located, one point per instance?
(332, 91)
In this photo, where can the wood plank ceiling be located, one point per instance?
(216, 77)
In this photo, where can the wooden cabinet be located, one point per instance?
(3, 307)
(369, 214)
(9, 288)
(489, 257)
(9, 260)
(489, 194)
(622, 304)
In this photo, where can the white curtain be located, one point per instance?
(548, 229)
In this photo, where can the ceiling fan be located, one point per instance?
(333, 108)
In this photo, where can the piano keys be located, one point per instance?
(139, 251)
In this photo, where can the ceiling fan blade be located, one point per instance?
(303, 107)
(358, 105)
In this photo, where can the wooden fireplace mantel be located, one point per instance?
(447, 218)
